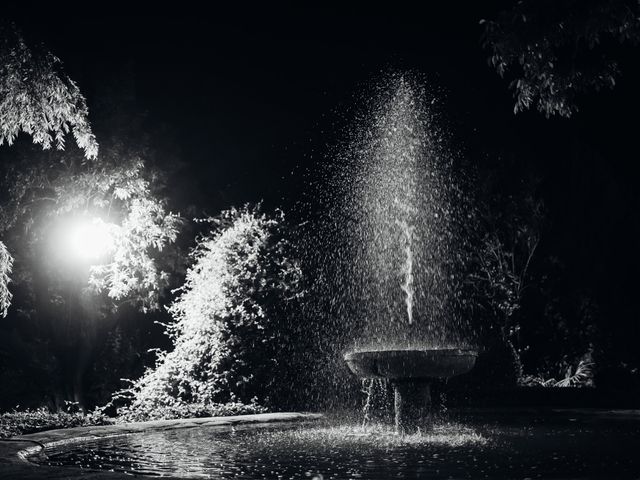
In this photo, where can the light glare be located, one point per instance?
(90, 240)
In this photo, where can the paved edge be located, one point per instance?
(14, 463)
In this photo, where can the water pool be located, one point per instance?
(553, 444)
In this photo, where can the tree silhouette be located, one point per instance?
(555, 50)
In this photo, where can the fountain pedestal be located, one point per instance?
(412, 405)
(411, 373)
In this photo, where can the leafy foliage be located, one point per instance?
(512, 225)
(505, 268)
(115, 192)
(132, 271)
(534, 321)
(507, 227)
(228, 320)
(560, 49)
(190, 410)
(66, 303)
(38, 98)
(580, 376)
(145, 227)
(30, 421)
(6, 264)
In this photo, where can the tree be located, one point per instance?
(558, 49)
(504, 270)
(508, 225)
(38, 98)
(229, 322)
(64, 302)
(538, 323)
(71, 297)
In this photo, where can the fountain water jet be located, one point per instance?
(407, 285)
(406, 252)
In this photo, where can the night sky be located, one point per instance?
(251, 99)
(249, 95)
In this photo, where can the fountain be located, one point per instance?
(406, 251)
(411, 373)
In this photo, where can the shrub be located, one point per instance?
(29, 421)
(228, 322)
(189, 410)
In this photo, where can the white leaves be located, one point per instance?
(117, 191)
(6, 264)
(37, 98)
(121, 193)
(132, 271)
(223, 261)
(222, 316)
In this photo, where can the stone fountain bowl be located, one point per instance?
(411, 364)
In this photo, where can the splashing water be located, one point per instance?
(393, 268)
(378, 402)
(389, 240)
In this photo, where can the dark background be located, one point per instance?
(248, 100)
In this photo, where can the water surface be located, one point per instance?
(487, 445)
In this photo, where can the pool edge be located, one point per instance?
(14, 452)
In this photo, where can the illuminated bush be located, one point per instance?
(6, 263)
(39, 419)
(228, 321)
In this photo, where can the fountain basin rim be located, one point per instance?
(15, 451)
(412, 351)
(411, 364)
